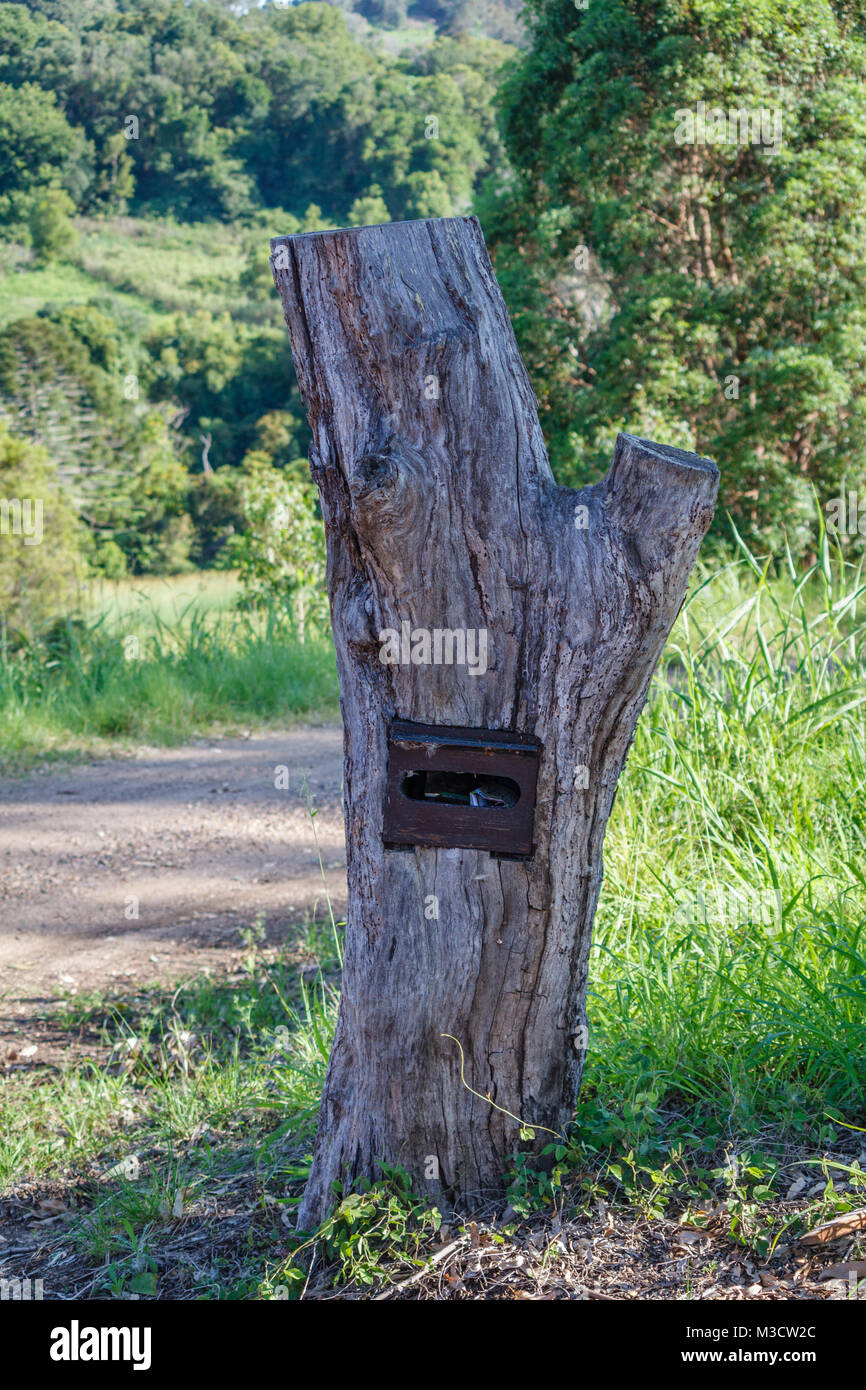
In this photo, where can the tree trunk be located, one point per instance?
(441, 510)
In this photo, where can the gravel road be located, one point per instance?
(196, 840)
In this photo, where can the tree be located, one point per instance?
(280, 554)
(65, 384)
(41, 155)
(204, 112)
(226, 379)
(53, 235)
(463, 1006)
(369, 209)
(709, 158)
(43, 547)
(33, 48)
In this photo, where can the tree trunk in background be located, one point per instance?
(441, 509)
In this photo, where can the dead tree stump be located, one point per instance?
(553, 605)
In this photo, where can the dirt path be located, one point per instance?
(198, 840)
(205, 841)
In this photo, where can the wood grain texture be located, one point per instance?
(440, 508)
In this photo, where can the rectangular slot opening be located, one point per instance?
(460, 788)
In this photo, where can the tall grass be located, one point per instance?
(728, 978)
(140, 671)
(134, 604)
(730, 953)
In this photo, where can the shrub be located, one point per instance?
(282, 553)
(42, 544)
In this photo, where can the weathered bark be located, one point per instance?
(440, 508)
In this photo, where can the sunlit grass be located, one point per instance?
(161, 661)
(727, 998)
(141, 603)
(187, 1089)
(161, 263)
(730, 947)
(144, 267)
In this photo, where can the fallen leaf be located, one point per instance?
(129, 1168)
(837, 1229)
(842, 1271)
(688, 1237)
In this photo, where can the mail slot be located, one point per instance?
(460, 788)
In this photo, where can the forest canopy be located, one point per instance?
(684, 246)
(155, 147)
(673, 191)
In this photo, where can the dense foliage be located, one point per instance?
(672, 268)
(193, 109)
(168, 412)
(673, 191)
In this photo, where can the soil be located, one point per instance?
(198, 841)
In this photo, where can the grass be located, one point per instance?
(727, 1005)
(160, 662)
(147, 267)
(147, 600)
(731, 938)
(163, 267)
(176, 1096)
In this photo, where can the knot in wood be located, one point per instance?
(372, 474)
